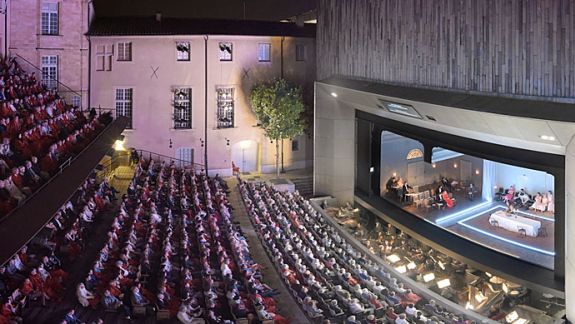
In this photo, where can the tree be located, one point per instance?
(278, 106)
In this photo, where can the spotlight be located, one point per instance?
(333, 94)
(477, 172)
(455, 165)
(434, 165)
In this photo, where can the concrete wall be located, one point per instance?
(569, 230)
(506, 47)
(152, 96)
(71, 46)
(334, 147)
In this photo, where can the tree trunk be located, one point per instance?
(277, 158)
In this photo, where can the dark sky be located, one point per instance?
(219, 9)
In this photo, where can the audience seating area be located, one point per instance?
(330, 279)
(39, 131)
(174, 250)
(36, 274)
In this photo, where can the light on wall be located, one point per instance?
(119, 145)
(455, 165)
(434, 165)
(333, 94)
(395, 174)
(547, 137)
(477, 171)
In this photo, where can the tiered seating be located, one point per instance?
(36, 272)
(174, 249)
(328, 277)
(39, 131)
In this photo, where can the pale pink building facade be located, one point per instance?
(160, 81)
(48, 36)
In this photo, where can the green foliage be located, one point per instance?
(278, 106)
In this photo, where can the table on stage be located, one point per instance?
(515, 223)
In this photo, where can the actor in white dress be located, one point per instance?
(550, 202)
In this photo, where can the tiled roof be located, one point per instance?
(142, 26)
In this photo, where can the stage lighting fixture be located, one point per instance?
(443, 283)
(428, 277)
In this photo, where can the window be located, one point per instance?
(226, 51)
(185, 156)
(183, 51)
(294, 145)
(50, 71)
(225, 97)
(300, 52)
(104, 55)
(49, 18)
(124, 104)
(182, 108)
(76, 101)
(264, 52)
(125, 51)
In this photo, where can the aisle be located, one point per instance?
(287, 306)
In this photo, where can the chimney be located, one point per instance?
(159, 16)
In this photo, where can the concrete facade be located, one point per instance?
(154, 72)
(28, 44)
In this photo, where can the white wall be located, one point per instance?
(152, 101)
(531, 180)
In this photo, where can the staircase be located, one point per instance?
(304, 185)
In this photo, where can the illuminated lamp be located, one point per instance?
(512, 317)
(477, 171)
(333, 94)
(428, 277)
(441, 265)
(443, 283)
(479, 297)
(119, 145)
(393, 258)
(401, 269)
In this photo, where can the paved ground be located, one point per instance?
(287, 306)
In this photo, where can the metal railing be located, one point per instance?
(61, 87)
(147, 155)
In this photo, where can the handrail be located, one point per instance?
(183, 162)
(40, 70)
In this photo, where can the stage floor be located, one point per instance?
(538, 250)
(470, 219)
